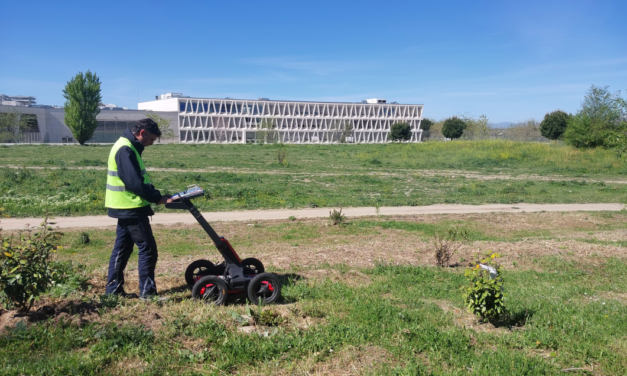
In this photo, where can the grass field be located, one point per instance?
(70, 180)
(361, 298)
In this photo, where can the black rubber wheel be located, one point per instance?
(265, 288)
(252, 266)
(210, 289)
(198, 269)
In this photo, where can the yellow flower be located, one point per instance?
(59, 247)
(7, 254)
(493, 255)
(537, 342)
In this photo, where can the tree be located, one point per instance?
(82, 94)
(601, 120)
(13, 124)
(425, 124)
(400, 132)
(164, 124)
(554, 124)
(347, 131)
(267, 133)
(476, 129)
(453, 127)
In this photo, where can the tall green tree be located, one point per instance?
(601, 121)
(82, 97)
(453, 127)
(400, 132)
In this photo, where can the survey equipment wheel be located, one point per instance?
(252, 266)
(197, 270)
(210, 289)
(265, 288)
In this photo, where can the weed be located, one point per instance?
(282, 157)
(291, 218)
(83, 238)
(110, 300)
(444, 250)
(336, 217)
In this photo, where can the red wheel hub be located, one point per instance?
(202, 290)
(268, 284)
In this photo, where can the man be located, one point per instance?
(128, 197)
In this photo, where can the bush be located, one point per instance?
(600, 121)
(336, 217)
(483, 295)
(453, 128)
(554, 124)
(400, 132)
(24, 264)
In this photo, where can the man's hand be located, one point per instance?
(165, 200)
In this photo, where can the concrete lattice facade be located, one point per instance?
(238, 121)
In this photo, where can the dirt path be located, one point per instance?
(399, 172)
(251, 215)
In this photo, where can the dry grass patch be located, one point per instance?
(348, 361)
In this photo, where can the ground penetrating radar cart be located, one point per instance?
(214, 283)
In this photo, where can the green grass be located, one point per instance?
(249, 176)
(27, 192)
(398, 312)
(566, 311)
(486, 156)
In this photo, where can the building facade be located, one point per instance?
(229, 120)
(48, 124)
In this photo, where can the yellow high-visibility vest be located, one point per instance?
(117, 197)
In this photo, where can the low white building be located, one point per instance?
(227, 120)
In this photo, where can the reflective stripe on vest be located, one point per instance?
(117, 197)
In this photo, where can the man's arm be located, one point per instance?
(130, 173)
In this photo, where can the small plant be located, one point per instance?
(336, 217)
(83, 238)
(109, 300)
(281, 156)
(484, 294)
(291, 218)
(444, 250)
(462, 234)
(25, 266)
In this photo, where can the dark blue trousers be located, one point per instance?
(129, 233)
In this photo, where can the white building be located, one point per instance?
(229, 120)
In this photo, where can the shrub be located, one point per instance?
(554, 124)
(400, 132)
(24, 264)
(336, 217)
(453, 128)
(444, 250)
(483, 295)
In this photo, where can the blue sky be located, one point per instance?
(511, 61)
